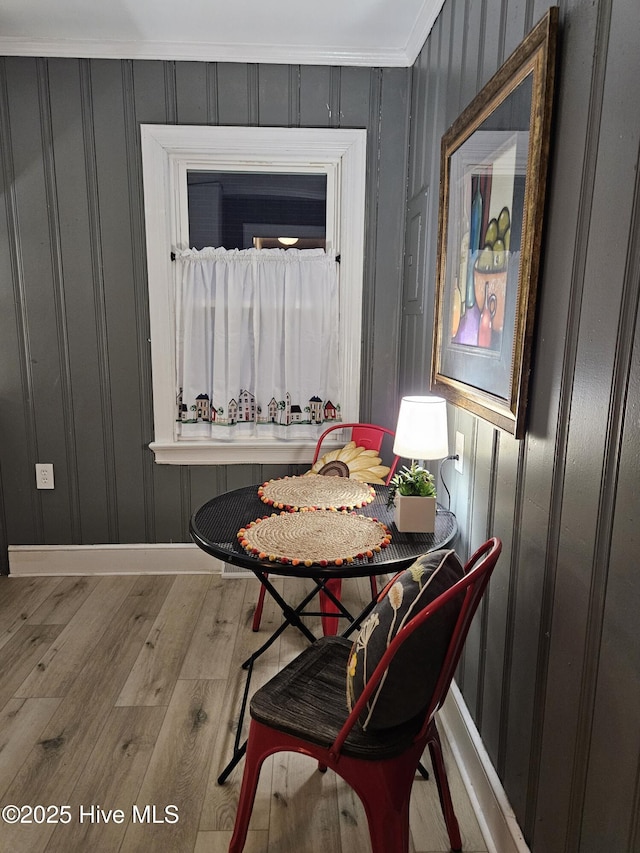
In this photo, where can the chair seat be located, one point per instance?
(308, 699)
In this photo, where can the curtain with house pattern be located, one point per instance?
(257, 343)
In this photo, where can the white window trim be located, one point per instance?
(167, 152)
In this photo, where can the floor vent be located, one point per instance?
(231, 571)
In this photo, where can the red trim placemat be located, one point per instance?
(313, 490)
(314, 537)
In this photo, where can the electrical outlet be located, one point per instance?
(44, 475)
(459, 463)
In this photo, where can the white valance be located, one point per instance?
(257, 339)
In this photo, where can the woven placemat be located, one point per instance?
(322, 537)
(313, 490)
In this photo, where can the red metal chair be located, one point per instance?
(370, 437)
(303, 709)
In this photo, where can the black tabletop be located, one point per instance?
(215, 525)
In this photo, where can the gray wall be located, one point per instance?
(75, 373)
(552, 669)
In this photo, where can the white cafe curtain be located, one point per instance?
(257, 343)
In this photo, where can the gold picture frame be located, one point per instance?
(492, 194)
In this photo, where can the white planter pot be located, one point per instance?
(415, 514)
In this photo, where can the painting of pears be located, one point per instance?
(497, 237)
(490, 270)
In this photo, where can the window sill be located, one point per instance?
(254, 452)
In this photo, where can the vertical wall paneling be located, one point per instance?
(252, 94)
(572, 164)
(551, 669)
(171, 91)
(233, 100)
(576, 507)
(192, 93)
(96, 234)
(294, 96)
(211, 81)
(315, 96)
(386, 267)
(457, 38)
(355, 96)
(492, 50)
(488, 496)
(59, 305)
(142, 468)
(150, 106)
(499, 633)
(481, 493)
(17, 411)
(437, 80)
(75, 370)
(7, 303)
(463, 483)
(421, 94)
(371, 219)
(614, 722)
(42, 350)
(528, 560)
(119, 218)
(72, 262)
(4, 542)
(514, 25)
(429, 83)
(465, 423)
(600, 358)
(274, 109)
(335, 91)
(474, 24)
(414, 258)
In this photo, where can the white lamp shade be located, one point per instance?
(421, 432)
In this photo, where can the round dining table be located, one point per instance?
(214, 527)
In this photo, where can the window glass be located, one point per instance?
(244, 210)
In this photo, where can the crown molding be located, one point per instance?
(205, 52)
(422, 27)
(285, 54)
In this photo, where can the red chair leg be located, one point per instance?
(374, 586)
(440, 773)
(385, 790)
(257, 613)
(330, 623)
(253, 762)
(383, 787)
(387, 833)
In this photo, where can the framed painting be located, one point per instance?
(492, 192)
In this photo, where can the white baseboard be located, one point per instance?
(156, 559)
(493, 810)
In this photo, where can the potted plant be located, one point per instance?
(413, 492)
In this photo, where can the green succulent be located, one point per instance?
(415, 481)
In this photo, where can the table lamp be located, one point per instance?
(421, 432)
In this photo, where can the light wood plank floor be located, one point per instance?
(122, 693)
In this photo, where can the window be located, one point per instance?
(169, 154)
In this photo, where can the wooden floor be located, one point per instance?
(118, 693)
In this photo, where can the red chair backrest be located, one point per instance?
(368, 436)
(478, 571)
